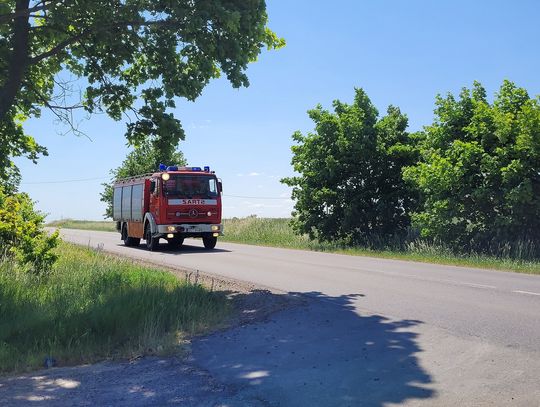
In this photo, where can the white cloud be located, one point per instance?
(200, 126)
(253, 174)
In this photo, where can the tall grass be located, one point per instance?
(93, 306)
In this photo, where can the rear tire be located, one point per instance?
(209, 242)
(133, 242)
(151, 241)
(129, 241)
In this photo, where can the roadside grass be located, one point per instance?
(102, 226)
(93, 306)
(276, 232)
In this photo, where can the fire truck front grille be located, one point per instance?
(192, 214)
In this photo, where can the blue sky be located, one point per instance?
(401, 52)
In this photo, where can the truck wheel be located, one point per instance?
(129, 241)
(209, 242)
(134, 241)
(151, 241)
(175, 242)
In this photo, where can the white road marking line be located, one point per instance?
(525, 292)
(438, 280)
(489, 287)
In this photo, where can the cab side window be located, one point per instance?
(212, 187)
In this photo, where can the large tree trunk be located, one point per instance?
(18, 59)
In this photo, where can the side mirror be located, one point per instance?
(153, 186)
(220, 187)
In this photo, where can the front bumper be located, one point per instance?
(191, 228)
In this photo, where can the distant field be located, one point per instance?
(277, 233)
(94, 306)
(105, 225)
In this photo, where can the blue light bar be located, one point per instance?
(162, 167)
(196, 169)
(172, 168)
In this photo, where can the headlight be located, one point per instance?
(171, 228)
(215, 227)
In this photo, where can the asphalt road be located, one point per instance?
(374, 331)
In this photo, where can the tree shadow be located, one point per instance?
(296, 349)
(322, 353)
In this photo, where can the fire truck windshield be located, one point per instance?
(191, 186)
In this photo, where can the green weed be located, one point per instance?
(93, 306)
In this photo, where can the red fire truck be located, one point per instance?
(173, 203)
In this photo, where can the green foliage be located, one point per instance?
(349, 186)
(22, 237)
(143, 159)
(93, 306)
(479, 171)
(135, 56)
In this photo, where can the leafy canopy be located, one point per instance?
(134, 56)
(349, 185)
(479, 170)
(143, 159)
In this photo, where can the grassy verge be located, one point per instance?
(278, 233)
(103, 226)
(93, 306)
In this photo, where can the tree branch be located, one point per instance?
(41, 6)
(91, 30)
(59, 47)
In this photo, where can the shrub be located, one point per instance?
(22, 237)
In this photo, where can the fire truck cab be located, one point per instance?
(173, 203)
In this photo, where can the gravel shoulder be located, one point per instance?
(150, 380)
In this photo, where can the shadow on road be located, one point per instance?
(184, 249)
(323, 353)
(318, 352)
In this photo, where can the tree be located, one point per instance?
(134, 56)
(349, 185)
(479, 171)
(143, 159)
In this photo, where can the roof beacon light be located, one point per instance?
(162, 167)
(196, 169)
(206, 168)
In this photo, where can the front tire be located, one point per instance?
(175, 242)
(209, 242)
(151, 241)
